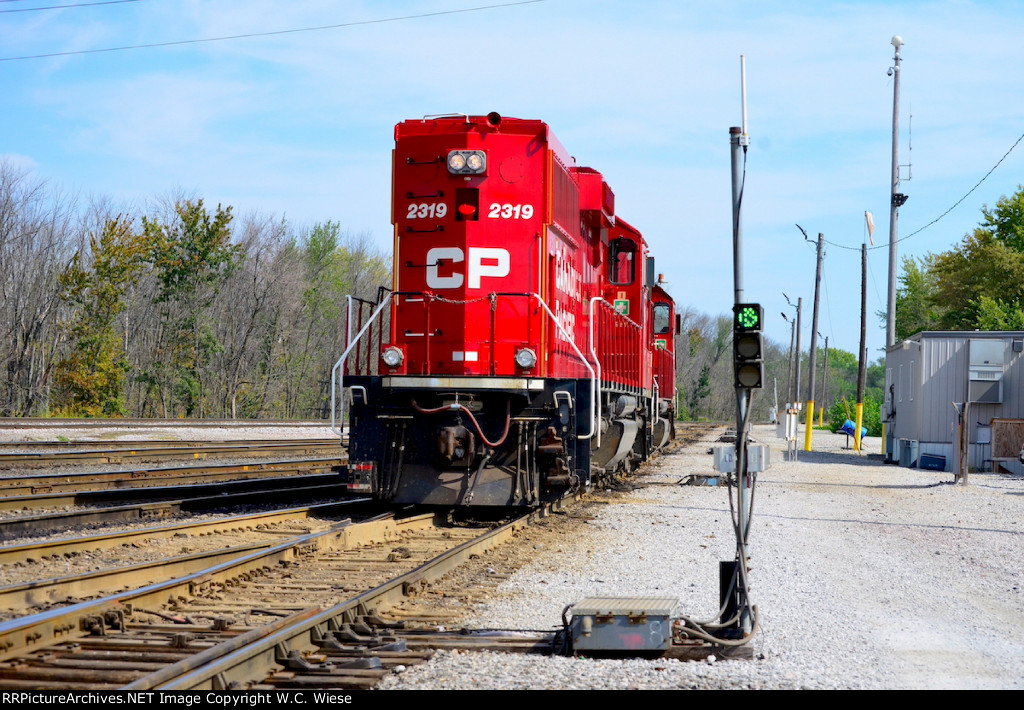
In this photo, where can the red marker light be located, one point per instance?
(467, 210)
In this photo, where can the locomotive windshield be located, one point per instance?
(662, 318)
(621, 264)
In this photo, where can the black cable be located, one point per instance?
(62, 7)
(955, 205)
(272, 33)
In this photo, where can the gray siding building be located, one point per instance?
(930, 372)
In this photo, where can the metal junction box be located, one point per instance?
(758, 458)
(623, 624)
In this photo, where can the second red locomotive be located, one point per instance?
(525, 347)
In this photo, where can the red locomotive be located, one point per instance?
(525, 347)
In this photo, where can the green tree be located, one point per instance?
(999, 315)
(981, 266)
(845, 408)
(979, 284)
(916, 297)
(193, 256)
(1006, 222)
(90, 378)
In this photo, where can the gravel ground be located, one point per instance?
(866, 576)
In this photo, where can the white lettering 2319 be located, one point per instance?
(498, 210)
(423, 210)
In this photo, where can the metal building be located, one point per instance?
(928, 379)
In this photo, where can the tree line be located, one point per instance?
(180, 309)
(978, 284)
(704, 376)
(177, 310)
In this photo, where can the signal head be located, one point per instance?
(748, 345)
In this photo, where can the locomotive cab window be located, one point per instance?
(622, 262)
(662, 318)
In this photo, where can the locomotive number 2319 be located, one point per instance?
(423, 210)
(498, 210)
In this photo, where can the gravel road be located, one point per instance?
(866, 576)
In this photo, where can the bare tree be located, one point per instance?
(37, 237)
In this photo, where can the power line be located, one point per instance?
(272, 33)
(955, 204)
(61, 7)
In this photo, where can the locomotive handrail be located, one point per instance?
(597, 362)
(341, 364)
(594, 428)
(455, 114)
(655, 404)
(583, 358)
(593, 339)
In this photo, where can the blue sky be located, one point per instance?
(300, 125)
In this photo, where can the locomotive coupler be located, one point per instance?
(551, 443)
(457, 444)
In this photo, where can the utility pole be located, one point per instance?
(812, 372)
(789, 366)
(863, 365)
(795, 350)
(896, 199)
(799, 313)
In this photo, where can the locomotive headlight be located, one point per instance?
(456, 162)
(526, 358)
(392, 357)
(467, 162)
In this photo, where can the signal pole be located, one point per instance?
(739, 141)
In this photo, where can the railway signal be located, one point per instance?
(748, 345)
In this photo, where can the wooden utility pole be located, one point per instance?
(796, 349)
(811, 371)
(962, 442)
(863, 364)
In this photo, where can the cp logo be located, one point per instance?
(482, 261)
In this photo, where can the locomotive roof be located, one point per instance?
(459, 123)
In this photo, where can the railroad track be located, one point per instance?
(330, 609)
(164, 502)
(323, 595)
(42, 574)
(58, 453)
(240, 424)
(22, 490)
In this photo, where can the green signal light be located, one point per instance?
(748, 317)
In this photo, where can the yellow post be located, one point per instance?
(856, 426)
(821, 416)
(809, 426)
